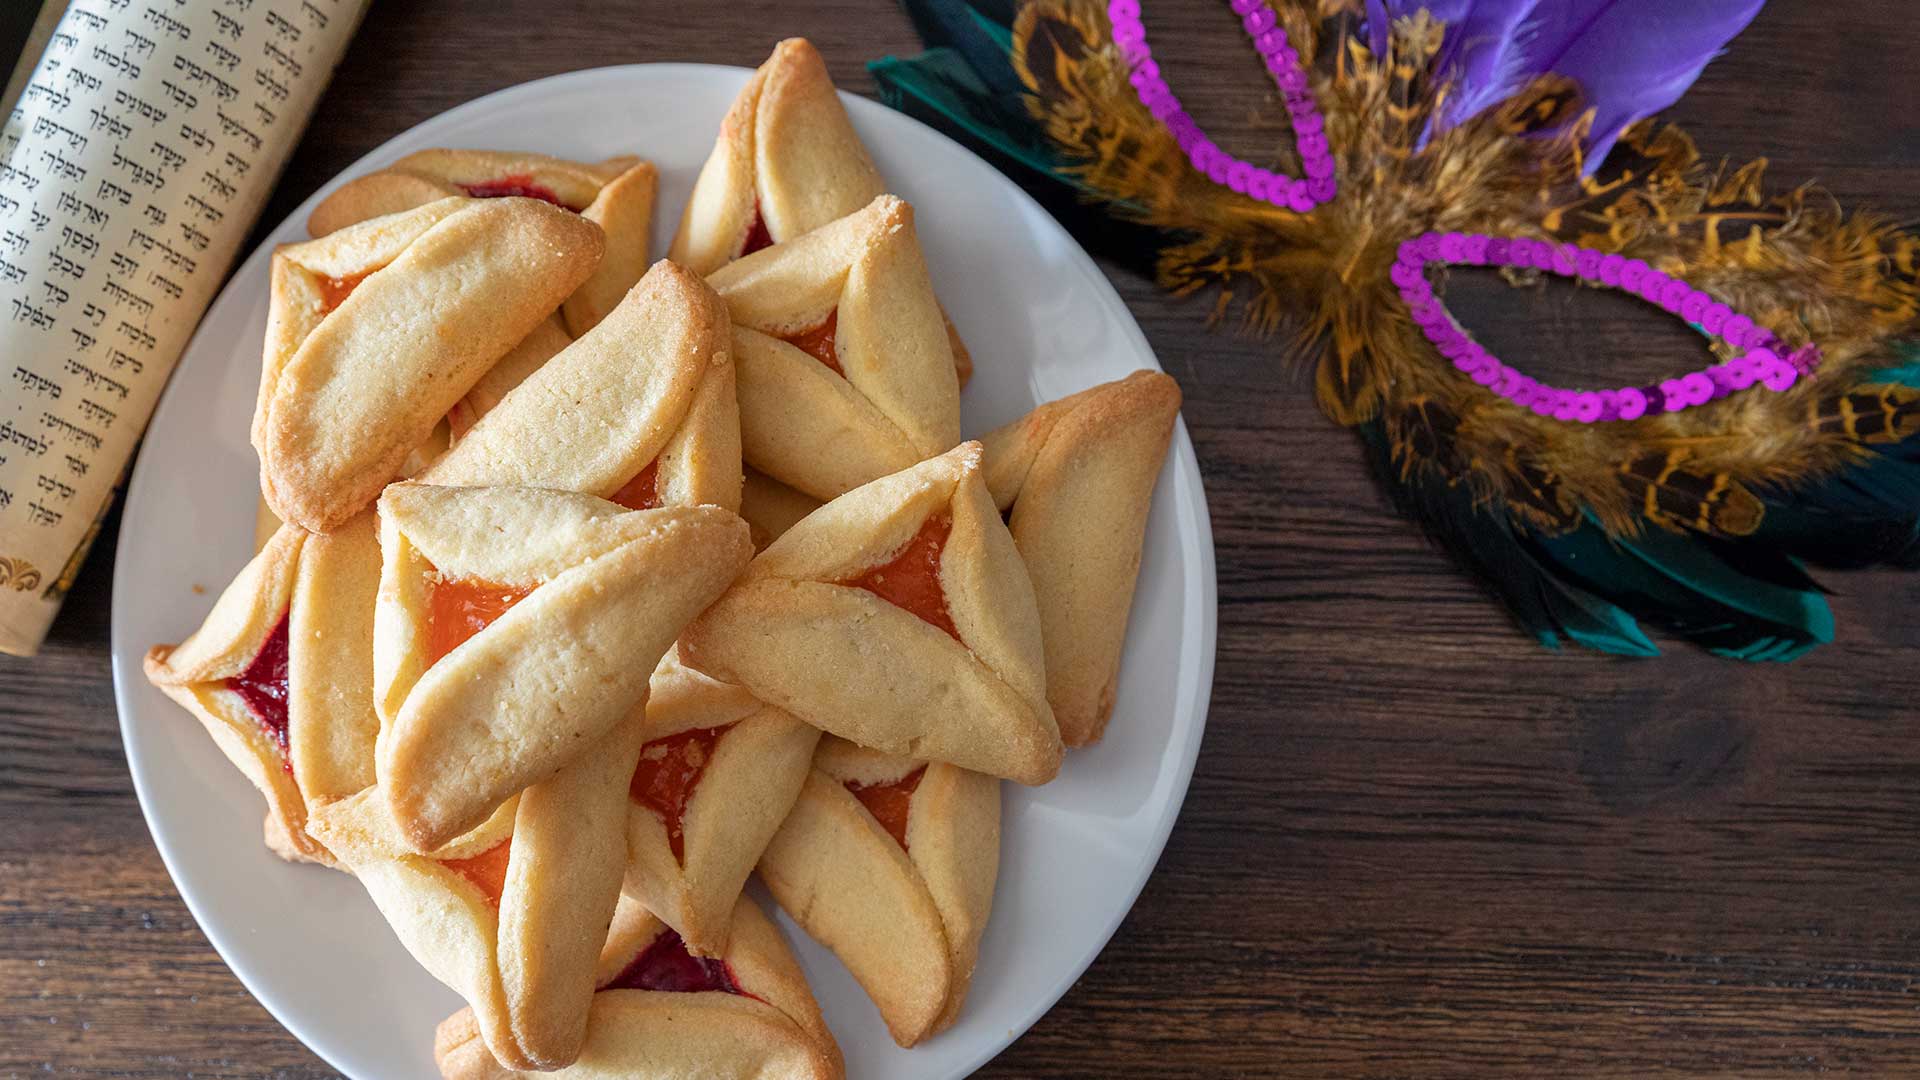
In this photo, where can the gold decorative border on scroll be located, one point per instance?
(18, 574)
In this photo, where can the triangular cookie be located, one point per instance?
(1077, 475)
(898, 616)
(787, 162)
(664, 1014)
(515, 627)
(844, 370)
(616, 194)
(641, 410)
(377, 330)
(281, 675)
(510, 915)
(890, 862)
(716, 778)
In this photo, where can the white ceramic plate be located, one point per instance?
(1040, 321)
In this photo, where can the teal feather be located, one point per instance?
(1682, 585)
(1865, 515)
(941, 89)
(1907, 374)
(965, 86)
(1546, 605)
(1584, 588)
(981, 31)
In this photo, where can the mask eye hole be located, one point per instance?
(1569, 335)
(1755, 352)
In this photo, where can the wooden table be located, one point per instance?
(1416, 844)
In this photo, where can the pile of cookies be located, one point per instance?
(586, 590)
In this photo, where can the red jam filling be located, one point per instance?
(818, 342)
(335, 290)
(263, 686)
(667, 965)
(669, 770)
(487, 870)
(459, 608)
(643, 491)
(889, 802)
(520, 184)
(911, 579)
(757, 235)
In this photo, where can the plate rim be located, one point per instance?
(1197, 527)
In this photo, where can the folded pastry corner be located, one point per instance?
(616, 194)
(1077, 476)
(515, 627)
(787, 161)
(231, 674)
(717, 776)
(281, 675)
(375, 332)
(661, 1013)
(509, 915)
(898, 616)
(640, 410)
(771, 507)
(844, 368)
(891, 863)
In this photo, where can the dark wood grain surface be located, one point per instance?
(1416, 844)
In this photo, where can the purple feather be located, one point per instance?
(1632, 58)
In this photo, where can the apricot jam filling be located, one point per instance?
(487, 871)
(818, 342)
(670, 768)
(643, 491)
(911, 579)
(458, 608)
(335, 290)
(263, 686)
(889, 802)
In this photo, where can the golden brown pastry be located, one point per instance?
(515, 628)
(890, 862)
(265, 525)
(616, 194)
(509, 916)
(331, 722)
(787, 162)
(1078, 475)
(641, 410)
(898, 616)
(377, 330)
(771, 507)
(844, 370)
(663, 1014)
(281, 675)
(231, 674)
(509, 371)
(717, 776)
